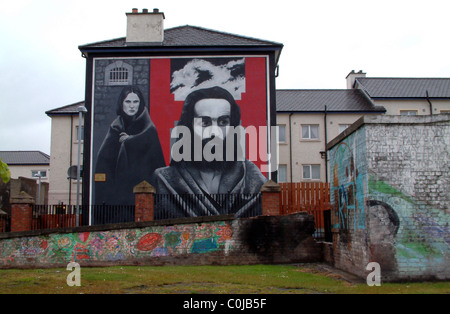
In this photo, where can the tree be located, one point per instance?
(5, 174)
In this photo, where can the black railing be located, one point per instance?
(111, 214)
(5, 223)
(54, 216)
(168, 206)
(67, 216)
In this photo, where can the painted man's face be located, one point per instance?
(131, 104)
(212, 116)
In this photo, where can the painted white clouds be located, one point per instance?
(201, 73)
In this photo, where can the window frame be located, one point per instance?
(35, 172)
(310, 166)
(280, 127)
(408, 111)
(309, 138)
(285, 173)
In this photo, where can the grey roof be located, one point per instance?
(25, 157)
(65, 110)
(315, 100)
(405, 87)
(189, 35)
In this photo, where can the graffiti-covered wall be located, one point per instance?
(265, 239)
(187, 125)
(390, 183)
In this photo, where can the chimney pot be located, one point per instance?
(134, 10)
(145, 28)
(352, 76)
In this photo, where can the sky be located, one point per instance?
(41, 67)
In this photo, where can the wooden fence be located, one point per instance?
(310, 197)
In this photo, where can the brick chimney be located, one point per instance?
(351, 77)
(145, 27)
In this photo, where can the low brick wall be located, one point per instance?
(217, 240)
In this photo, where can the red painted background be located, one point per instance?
(164, 110)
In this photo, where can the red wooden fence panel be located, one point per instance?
(310, 197)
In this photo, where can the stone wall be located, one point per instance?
(217, 240)
(390, 181)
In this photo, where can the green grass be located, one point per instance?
(262, 279)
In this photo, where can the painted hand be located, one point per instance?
(123, 137)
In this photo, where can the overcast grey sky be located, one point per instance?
(41, 67)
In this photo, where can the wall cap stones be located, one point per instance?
(22, 198)
(388, 119)
(271, 186)
(144, 187)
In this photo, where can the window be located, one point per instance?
(282, 133)
(38, 173)
(282, 173)
(118, 73)
(408, 112)
(311, 172)
(310, 131)
(342, 127)
(444, 111)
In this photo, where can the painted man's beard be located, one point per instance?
(217, 164)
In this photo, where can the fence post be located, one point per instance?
(144, 195)
(271, 198)
(21, 212)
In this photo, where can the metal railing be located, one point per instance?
(5, 223)
(165, 207)
(168, 206)
(65, 216)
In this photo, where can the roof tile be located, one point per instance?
(337, 100)
(405, 87)
(25, 157)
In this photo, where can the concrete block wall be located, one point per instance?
(390, 180)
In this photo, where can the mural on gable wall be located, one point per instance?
(146, 113)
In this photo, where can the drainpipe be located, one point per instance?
(429, 101)
(70, 157)
(326, 140)
(290, 145)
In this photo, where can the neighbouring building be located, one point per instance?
(404, 95)
(309, 119)
(27, 164)
(30, 172)
(64, 153)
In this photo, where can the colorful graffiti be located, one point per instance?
(422, 241)
(348, 184)
(117, 245)
(397, 201)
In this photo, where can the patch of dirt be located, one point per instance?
(330, 272)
